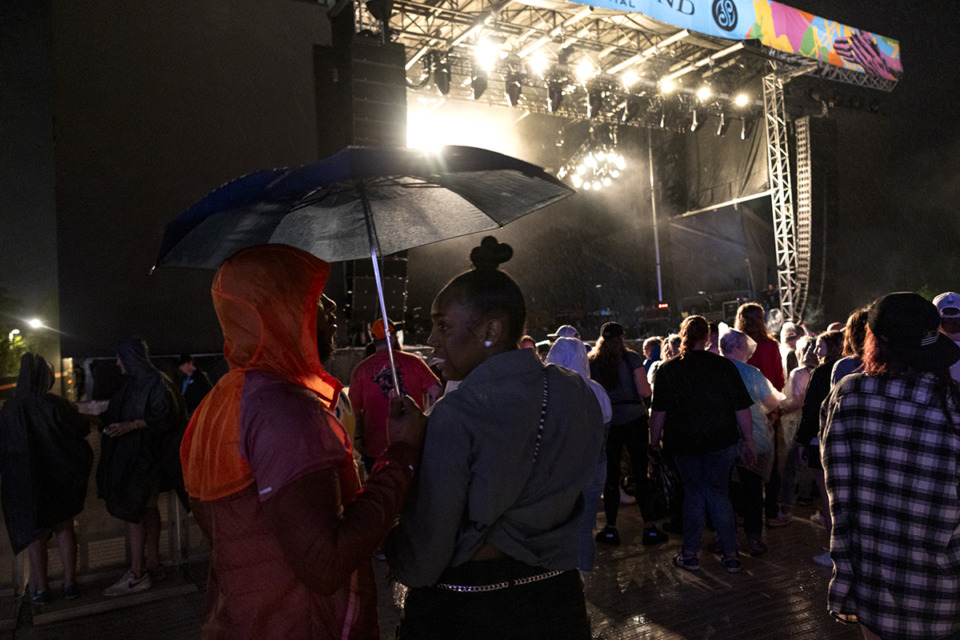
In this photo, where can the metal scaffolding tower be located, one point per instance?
(781, 194)
(804, 214)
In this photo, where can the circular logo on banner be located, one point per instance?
(725, 14)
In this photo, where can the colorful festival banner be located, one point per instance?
(777, 26)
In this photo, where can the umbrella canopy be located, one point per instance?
(362, 201)
(338, 208)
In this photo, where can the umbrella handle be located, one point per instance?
(372, 236)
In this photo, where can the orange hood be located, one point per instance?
(266, 300)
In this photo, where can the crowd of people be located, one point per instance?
(479, 476)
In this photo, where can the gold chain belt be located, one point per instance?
(497, 586)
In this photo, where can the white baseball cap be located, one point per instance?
(948, 304)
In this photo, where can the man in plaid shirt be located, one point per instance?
(891, 450)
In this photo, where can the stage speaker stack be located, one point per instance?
(361, 92)
(362, 303)
(361, 100)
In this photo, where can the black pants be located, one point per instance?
(634, 436)
(751, 486)
(550, 609)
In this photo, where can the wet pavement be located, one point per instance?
(635, 593)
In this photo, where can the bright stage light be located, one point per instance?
(668, 86)
(434, 123)
(704, 93)
(36, 323)
(593, 169)
(741, 100)
(629, 79)
(486, 54)
(585, 70)
(538, 63)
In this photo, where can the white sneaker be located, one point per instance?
(129, 584)
(823, 559)
(817, 519)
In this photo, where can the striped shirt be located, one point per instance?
(891, 457)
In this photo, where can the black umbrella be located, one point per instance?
(362, 201)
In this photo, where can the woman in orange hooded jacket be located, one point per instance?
(270, 470)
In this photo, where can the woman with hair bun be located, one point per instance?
(488, 539)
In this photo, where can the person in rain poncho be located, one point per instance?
(45, 463)
(138, 459)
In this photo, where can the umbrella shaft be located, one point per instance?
(372, 236)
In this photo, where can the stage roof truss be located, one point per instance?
(565, 33)
(614, 42)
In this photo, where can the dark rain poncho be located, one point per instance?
(44, 460)
(134, 464)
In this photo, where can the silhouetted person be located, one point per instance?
(194, 383)
(46, 463)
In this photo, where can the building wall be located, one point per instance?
(28, 239)
(156, 104)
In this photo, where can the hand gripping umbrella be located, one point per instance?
(361, 201)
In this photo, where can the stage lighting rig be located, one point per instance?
(513, 88)
(697, 121)
(478, 82)
(554, 95)
(441, 72)
(596, 164)
(633, 106)
(595, 95)
(723, 126)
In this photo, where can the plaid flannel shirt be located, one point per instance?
(891, 458)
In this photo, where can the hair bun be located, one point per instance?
(490, 254)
